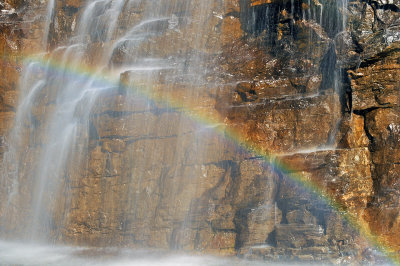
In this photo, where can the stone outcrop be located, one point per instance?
(375, 97)
(21, 34)
(314, 86)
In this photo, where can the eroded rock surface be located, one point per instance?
(313, 88)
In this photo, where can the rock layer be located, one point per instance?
(306, 83)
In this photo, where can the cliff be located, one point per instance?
(218, 156)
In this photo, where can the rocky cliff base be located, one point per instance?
(313, 84)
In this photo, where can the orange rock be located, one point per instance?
(231, 30)
(260, 2)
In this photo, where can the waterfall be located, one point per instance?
(50, 17)
(61, 109)
(164, 124)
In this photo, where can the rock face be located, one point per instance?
(310, 87)
(375, 97)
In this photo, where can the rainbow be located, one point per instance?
(203, 118)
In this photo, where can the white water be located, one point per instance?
(14, 253)
(48, 146)
(63, 134)
(50, 17)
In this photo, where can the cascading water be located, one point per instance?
(60, 137)
(123, 134)
(50, 17)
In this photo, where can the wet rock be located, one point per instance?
(153, 178)
(375, 26)
(352, 133)
(6, 122)
(296, 236)
(347, 50)
(288, 124)
(300, 217)
(115, 145)
(374, 84)
(10, 99)
(352, 193)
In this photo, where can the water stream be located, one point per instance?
(94, 118)
(57, 136)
